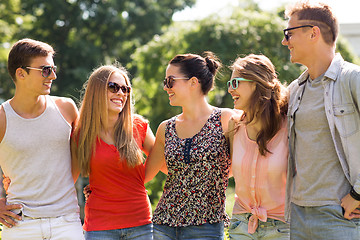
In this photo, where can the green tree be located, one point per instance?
(243, 32)
(86, 33)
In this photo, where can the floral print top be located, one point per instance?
(198, 170)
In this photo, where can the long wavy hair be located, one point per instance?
(268, 103)
(94, 118)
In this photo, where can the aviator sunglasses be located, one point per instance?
(45, 70)
(169, 81)
(234, 83)
(286, 31)
(114, 88)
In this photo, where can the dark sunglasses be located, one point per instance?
(234, 83)
(286, 31)
(45, 70)
(169, 81)
(114, 88)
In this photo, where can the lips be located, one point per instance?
(48, 84)
(117, 101)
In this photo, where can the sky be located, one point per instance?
(347, 11)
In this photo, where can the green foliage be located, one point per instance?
(87, 33)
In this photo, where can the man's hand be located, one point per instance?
(350, 206)
(6, 216)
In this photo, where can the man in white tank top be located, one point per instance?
(35, 131)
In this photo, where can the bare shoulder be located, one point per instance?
(227, 113)
(2, 122)
(67, 108)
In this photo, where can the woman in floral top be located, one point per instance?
(194, 150)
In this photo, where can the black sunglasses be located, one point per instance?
(114, 88)
(169, 81)
(286, 31)
(45, 70)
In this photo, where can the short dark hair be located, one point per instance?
(203, 68)
(317, 14)
(23, 51)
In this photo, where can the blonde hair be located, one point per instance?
(268, 104)
(94, 118)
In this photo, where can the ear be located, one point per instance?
(194, 81)
(316, 33)
(20, 73)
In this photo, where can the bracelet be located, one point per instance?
(354, 194)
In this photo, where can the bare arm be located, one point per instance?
(156, 158)
(149, 141)
(7, 217)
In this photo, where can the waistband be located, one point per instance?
(244, 217)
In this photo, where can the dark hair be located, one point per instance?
(317, 14)
(203, 68)
(23, 51)
(269, 102)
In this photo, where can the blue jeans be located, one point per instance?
(205, 231)
(270, 230)
(322, 222)
(144, 232)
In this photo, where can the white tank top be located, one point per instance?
(35, 155)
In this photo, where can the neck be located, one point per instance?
(198, 109)
(112, 118)
(320, 61)
(30, 106)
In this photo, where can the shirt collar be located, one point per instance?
(331, 73)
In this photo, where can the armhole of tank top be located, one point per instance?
(6, 121)
(50, 99)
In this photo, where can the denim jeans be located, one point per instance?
(66, 227)
(270, 230)
(144, 232)
(205, 232)
(322, 223)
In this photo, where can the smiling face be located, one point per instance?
(298, 40)
(242, 94)
(117, 101)
(179, 90)
(32, 80)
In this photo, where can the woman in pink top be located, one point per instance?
(259, 150)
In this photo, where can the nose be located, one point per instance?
(284, 41)
(230, 89)
(52, 76)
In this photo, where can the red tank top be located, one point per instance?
(118, 198)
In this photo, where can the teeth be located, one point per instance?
(235, 97)
(47, 84)
(117, 101)
(171, 94)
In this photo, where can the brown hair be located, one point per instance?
(93, 118)
(203, 68)
(24, 51)
(268, 103)
(317, 14)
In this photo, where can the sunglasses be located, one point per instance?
(234, 83)
(115, 88)
(169, 81)
(45, 70)
(286, 31)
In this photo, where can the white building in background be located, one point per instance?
(351, 31)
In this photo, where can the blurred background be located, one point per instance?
(143, 35)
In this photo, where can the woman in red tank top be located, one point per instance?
(109, 145)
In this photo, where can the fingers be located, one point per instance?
(8, 221)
